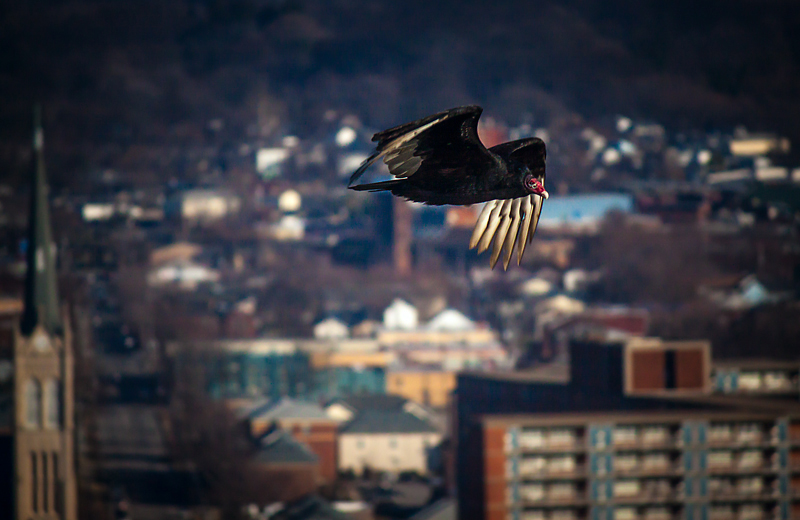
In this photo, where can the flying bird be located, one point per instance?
(439, 160)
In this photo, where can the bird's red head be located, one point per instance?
(535, 186)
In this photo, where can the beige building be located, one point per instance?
(428, 387)
(386, 440)
(36, 342)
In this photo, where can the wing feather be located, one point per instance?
(437, 148)
(491, 227)
(509, 224)
(502, 231)
(480, 225)
(511, 238)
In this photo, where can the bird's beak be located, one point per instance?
(545, 195)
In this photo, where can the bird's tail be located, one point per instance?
(379, 186)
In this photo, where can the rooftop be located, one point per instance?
(287, 408)
(279, 447)
(396, 421)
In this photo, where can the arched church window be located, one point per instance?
(52, 404)
(33, 404)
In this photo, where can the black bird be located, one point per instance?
(440, 160)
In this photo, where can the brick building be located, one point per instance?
(635, 433)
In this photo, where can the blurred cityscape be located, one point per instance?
(198, 320)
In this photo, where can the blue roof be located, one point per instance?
(583, 209)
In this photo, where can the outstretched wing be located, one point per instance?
(530, 151)
(437, 150)
(509, 223)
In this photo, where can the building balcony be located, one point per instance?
(578, 500)
(578, 472)
(764, 468)
(664, 471)
(643, 498)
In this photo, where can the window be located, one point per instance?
(45, 484)
(33, 404)
(34, 484)
(52, 404)
(393, 443)
(56, 486)
(360, 445)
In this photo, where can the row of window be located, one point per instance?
(627, 436)
(42, 398)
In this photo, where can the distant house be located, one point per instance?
(450, 320)
(560, 304)
(206, 205)
(742, 293)
(535, 287)
(386, 440)
(331, 328)
(270, 161)
(307, 423)
(758, 144)
(279, 457)
(177, 252)
(400, 315)
(186, 274)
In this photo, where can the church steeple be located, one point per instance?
(41, 290)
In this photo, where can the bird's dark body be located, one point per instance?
(445, 162)
(440, 160)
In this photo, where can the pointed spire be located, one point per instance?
(41, 290)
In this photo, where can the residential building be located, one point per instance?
(331, 328)
(633, 433)
(400, 315)
(307, 423)
(386, 440)
(644, 465)
(280, 458)
(424, 385)
(246, 368)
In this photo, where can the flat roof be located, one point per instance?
(654, 417)
(554, 373)
(756, 364)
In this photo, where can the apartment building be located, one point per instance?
(642, 466)
(635, 433)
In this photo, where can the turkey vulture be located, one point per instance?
(440, 160)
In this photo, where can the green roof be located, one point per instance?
(381, 421)
(279, 447)
(41, 287)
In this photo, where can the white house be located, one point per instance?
(208, 205)
(400, 315)
(386, 440)
(186, 274)
(331, 328)
(450, 320)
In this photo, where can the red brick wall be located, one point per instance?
(689, 370)
(321, 439)
(647, 370)
(494, 472)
